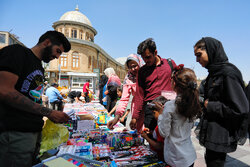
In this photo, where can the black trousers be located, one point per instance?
(86, 97)
(215, 159)
(110, 103)
(59, 105)
(149, 120)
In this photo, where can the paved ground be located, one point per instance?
(239, 158)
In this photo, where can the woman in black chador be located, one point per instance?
(225, 105)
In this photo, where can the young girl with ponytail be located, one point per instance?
(176, 119)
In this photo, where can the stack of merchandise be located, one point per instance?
(101, 151)
(78, 147)
(140, 155)
(115, 140)
(85, 108)
(91, 139)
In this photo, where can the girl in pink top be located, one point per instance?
(133, 63)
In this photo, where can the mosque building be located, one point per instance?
(86, 60)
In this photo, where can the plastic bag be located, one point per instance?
(53, 135)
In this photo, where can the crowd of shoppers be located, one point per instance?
(221, 104)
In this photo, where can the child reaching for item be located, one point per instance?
(156, 142)
(123, 119)
(177, 118)
(119, 94)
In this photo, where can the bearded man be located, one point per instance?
(21, 89)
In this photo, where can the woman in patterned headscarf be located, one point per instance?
(134, 62)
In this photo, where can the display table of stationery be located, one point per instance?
(91, 143)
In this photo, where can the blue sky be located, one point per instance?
(122, 24)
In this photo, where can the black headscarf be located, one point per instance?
(103, 81)
(218, 62)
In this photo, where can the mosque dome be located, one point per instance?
(75, 16)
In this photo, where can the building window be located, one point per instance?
(100, 66)
(2, 38)
(89, 64)
(75, 60)
(80, 81)
(67, 32)
(73, 33)
(81, 34)
(60, 30)
(92, 38)
(63, 60)
(105, 66)
(11, 41)
(119, 74)
(94, 63)
(87, 36)
(53, 75)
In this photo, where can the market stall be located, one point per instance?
(90, 143)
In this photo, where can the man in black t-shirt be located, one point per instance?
(21, 89)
